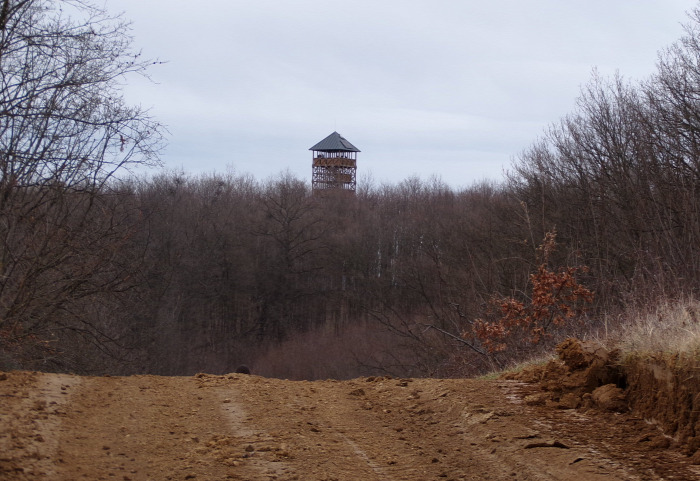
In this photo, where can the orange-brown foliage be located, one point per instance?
(556, 298)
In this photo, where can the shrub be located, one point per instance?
(556, 299)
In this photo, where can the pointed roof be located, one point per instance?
(335, 143)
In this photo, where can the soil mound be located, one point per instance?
(576, 379)
(662, 390)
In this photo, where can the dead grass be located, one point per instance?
(669, 327)
(539, 360)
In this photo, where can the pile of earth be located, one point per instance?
(663, 390)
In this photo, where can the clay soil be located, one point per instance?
(240, 427)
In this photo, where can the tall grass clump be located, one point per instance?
(670, 326)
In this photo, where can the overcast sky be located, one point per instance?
(451, 88)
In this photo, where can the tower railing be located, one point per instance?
(334, 162)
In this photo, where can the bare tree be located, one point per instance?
(292, 235)
(65, 132)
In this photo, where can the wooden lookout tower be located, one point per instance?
(334, 164)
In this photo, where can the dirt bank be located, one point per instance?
(665, 390)
(662, 390)
(246, 427)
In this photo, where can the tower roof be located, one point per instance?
(335, 143)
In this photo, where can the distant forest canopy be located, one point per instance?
(176, 274)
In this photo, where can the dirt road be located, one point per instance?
(240, 427)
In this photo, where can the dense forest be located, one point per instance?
(173, 273)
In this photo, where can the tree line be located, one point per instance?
(175, 273)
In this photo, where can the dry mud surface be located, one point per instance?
(239, 427)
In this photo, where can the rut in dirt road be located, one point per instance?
(243, 427)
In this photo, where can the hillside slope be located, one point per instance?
(240, 427)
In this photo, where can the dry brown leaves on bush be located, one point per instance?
(556, 299)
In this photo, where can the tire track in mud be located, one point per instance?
(148, 428)
(30, 417)
(413, 429)
(240, 427)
